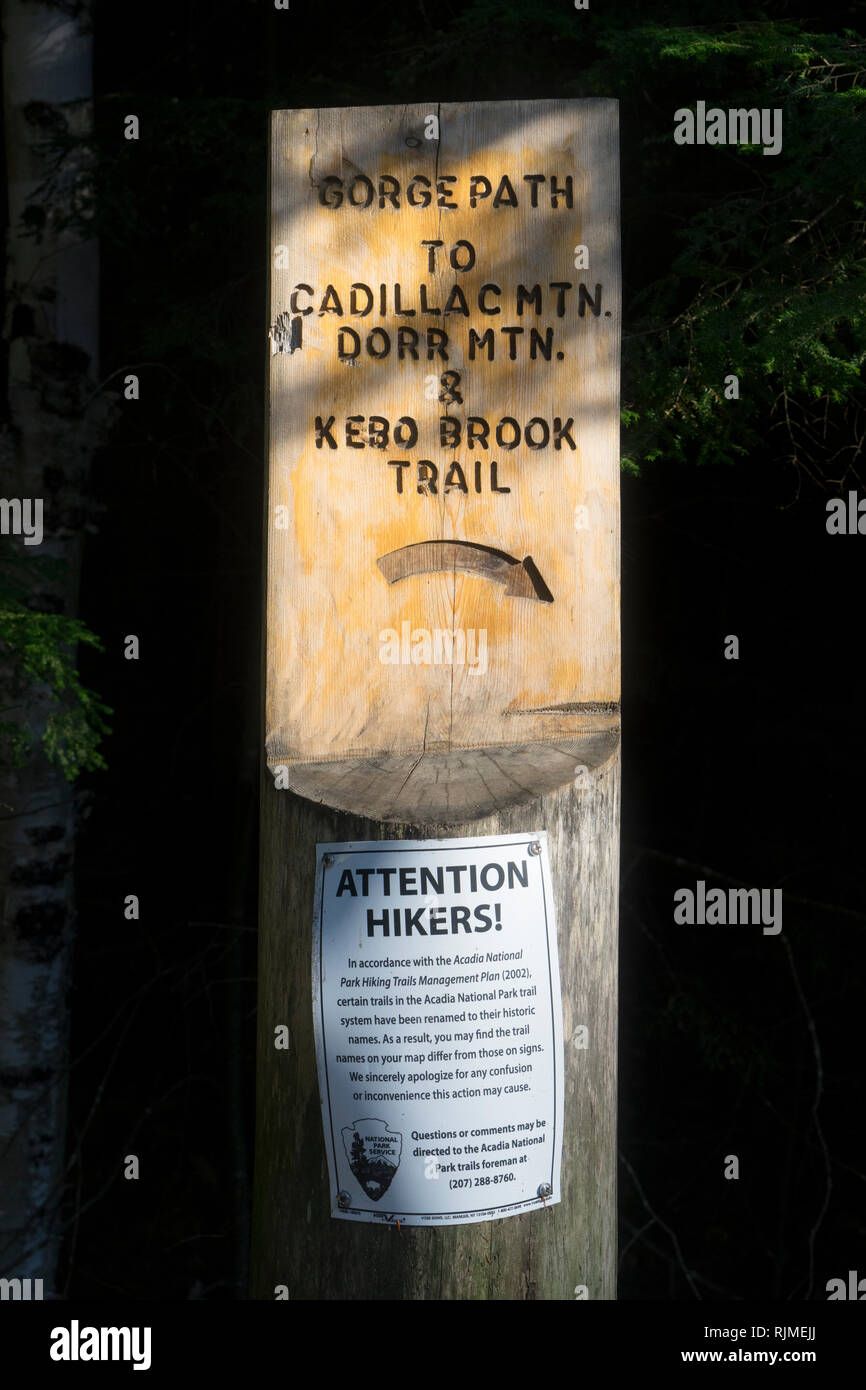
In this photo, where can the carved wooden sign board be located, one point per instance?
(443, 502)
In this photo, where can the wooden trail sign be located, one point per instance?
(442, 629)
(443, 510)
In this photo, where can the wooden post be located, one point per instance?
(438, 471)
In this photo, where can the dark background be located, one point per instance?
(743, 772)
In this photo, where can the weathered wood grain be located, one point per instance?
(335, 514)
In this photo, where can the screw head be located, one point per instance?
(327, 860)
(535, 847)
(344, 1201)
(544, 1190)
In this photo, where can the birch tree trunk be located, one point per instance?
(46, 446)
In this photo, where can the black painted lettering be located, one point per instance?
(514, 430)
(344, 353)
(437, 342)
(537, 344)
(386, 194)
(384, 340)
(525, 296)
(353, 300)
(427, 475)
(378, 432)
(531, 441)
(323, 432)
(425, 307)
(406, 432)
(479, 187)
(407, 342)
(505, 195)
(330, 302)
(455, 259)
(366, 189)
(455, 478)
(293, 299)
(331, 191)
(584, 298)
(482, 296)
(563, 431)
(423, 192)
(456, 302)
(566, 191)
(449, 395)
(431, 253)
(494, 478)
(442, 200)
(399, 464)
(562, 287)
(512, 341)
(354, 439)
(398, 308)
(481, 340)
(449, 432)
(534, 180)
(477, 428)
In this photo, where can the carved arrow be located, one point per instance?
(520, 577)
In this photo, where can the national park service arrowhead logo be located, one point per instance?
(373, 1151)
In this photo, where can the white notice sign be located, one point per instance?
(438, 1021)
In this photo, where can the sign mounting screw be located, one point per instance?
(327, 860)
(544, 1190)
(344, 1201)
(535, 847)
